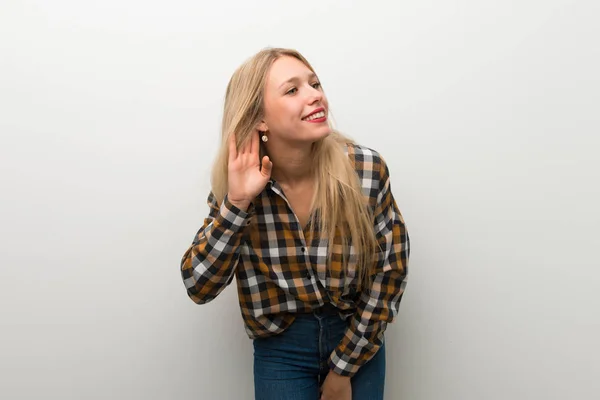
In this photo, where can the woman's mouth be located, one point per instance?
(316, 117)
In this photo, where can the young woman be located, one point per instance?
(304, 218)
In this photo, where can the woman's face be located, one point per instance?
(292, 94)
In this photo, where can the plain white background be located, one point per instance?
(487, 113)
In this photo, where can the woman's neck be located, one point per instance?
(291, 165)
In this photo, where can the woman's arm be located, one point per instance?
(379, 303)
(208, 265)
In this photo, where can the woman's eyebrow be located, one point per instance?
(310, 76)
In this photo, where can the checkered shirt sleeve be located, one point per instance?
(379, 303)
(208, 266)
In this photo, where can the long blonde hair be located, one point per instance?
(339, 203)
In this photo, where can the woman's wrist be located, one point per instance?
(242, 205)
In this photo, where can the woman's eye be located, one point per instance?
(316, 85)
(291, 91)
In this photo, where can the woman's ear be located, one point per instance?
(262, 126)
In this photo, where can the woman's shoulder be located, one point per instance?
(365, 159)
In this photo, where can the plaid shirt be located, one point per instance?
(281, 269)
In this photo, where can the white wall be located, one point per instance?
(486, 111)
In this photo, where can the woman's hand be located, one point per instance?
(336, 387)
(246, 178)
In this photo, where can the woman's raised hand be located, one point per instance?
(246, 178)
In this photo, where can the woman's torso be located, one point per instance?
(283, 268)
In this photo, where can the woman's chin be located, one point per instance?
(321, 134)
(312, 136)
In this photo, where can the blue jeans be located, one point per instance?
(293, 364)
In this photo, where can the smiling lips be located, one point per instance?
(316, 117)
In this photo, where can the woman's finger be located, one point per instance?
(232, 149)
(246, 147)
(254, 144)
(267, 166)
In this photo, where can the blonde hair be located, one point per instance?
(339, 203)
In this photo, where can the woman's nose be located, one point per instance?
(315, 95)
